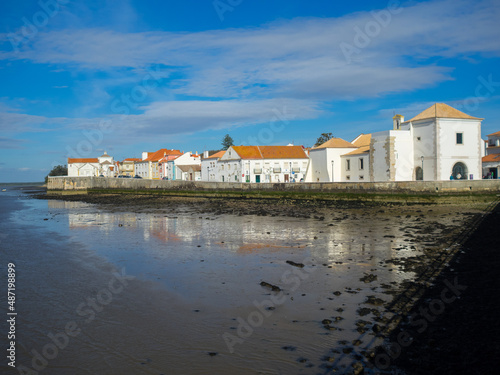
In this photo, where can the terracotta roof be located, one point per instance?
(335, 143)
(497, 134)
(362, 140)
(217, 155)
(359, 151)
(491, 157)
(155, 156)
(132, 159)
(283, 152)
(83, 160)
(441, 110)
(186, 168)
(168, 158)
(270, 152)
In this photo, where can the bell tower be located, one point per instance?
(397, 120)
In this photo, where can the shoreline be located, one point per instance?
(453, 326)
(323, 211)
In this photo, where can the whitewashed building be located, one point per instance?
(491, 161)
(101, 166)
(209, 166)
(263, 164)
(436, 144)
(326, 163)
(148, 166)
(172, 167)
(355, 165)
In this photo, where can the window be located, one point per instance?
(361, 177)
(361, 164)
(460, 138)
(348, 165)
(347, 178)
(419, 139)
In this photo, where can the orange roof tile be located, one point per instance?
(441, 110)
(362, 140)
(497, 134)
(335, 143)
(155, 156)
(132, 159)
(283, 152)
(217, 155)
(359, 151)
(491, 158)
(83, 160)
(270, 152)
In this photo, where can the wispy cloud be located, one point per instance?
(295, 58)
(11, 143)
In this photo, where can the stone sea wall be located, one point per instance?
(84, 184)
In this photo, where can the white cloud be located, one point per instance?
(246, 73)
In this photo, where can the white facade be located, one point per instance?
(440, 143)
(169, 167)
(210, 168)
(355, 167)
(101, 166)
(491, 161)
(326, 165)
(258, 164)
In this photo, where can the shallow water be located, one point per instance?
(192, 302)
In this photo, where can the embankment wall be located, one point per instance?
(84, 184)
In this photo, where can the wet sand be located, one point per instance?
(197, 303)
(459, 336)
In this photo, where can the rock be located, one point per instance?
(274, 288)
(292, 263)
(372, 300)
(368, 278)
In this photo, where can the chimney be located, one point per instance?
(144, 155)
(205, 154)
(397, 121)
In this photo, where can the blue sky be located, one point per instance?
(80, 77)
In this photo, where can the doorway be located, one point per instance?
(460, 171)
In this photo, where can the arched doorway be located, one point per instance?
(460, 171)
(419, 174)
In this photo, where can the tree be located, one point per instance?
(323, 138)
(58, 170)
(227, 142)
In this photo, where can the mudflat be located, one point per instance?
(375, 261)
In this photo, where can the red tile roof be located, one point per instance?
(132, 159)
(155, 156)
(270, 152)
(217, 155)
(496, 134)
(491, 158)
(83, 160)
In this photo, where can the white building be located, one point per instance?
(209, 167)
(491, 161)
(325, 160)
(355, 165)
(170, 167)
(438, 143)
(263, 164)
(101, 166)
(148, 166)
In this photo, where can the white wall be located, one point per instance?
(320, 169)
(355, 173)
(449, 152)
